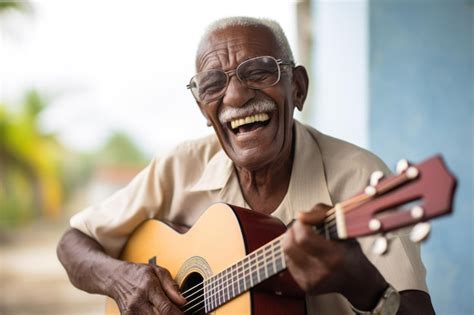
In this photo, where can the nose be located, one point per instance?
(237, 94)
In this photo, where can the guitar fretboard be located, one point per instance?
(245, 274)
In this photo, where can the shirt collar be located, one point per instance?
(308, 185)
(216, 174)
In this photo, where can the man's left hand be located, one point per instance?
(323, 266)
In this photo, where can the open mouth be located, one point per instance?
(249, 123)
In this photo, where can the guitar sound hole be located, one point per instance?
(193, 291)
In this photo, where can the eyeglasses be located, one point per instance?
(256, 73)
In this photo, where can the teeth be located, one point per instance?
(248, 120)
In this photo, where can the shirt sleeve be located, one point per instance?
(113, 220)
(401, 266)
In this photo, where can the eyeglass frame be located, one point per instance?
(230, 73)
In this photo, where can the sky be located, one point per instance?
(117, 65)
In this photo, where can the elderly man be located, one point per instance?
(247, 87)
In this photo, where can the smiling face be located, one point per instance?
(254, 127)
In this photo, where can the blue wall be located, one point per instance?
(421, 103)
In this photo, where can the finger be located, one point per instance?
(315, 216)
(307, 239)
(161, 302)
(170, 287)
(145, 308)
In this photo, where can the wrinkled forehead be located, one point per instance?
(234, 44)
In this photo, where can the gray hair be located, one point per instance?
(272, 25)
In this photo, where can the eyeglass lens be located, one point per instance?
(257, 73)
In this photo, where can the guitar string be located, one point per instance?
(330, 228)
(226, 283)
(250, 263)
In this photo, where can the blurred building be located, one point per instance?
(397, 77)
(107, 179)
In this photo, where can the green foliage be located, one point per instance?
(30, 182)
(15, 5)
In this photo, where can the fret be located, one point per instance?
(214, 290)
(273, 257)
(264, 263)
(240, 281)
(206, 295)
(252, 269)
(279, 259)
(232, 280)
(259, 269)
(227, 284)
(224, 287)
(211, 293)
(248, 268)
(262, 272)
(247, 280)
(219, 289)
(269, 260)
(256, 266)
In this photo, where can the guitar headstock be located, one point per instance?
(426, 190)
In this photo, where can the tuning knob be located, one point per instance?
(375, 177)
(420, 232)
(380, 245)
(402, 166)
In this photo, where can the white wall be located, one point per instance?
(339, 82)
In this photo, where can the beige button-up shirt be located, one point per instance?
(179, 186)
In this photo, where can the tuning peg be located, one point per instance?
(380, 246)
(412, 172)
(375, 177)
(420, 232)
(402, 166)
(417, 212)
(370, 191)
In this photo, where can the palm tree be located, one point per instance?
(29, 176)
(29, 168)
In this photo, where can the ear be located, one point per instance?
(300, 86)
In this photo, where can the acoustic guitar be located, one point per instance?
(231, 261)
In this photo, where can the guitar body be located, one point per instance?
(223, 235)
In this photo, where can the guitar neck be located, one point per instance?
(253, 269)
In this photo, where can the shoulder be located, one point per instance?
(202, 149)
(347, 167)
(184, 165)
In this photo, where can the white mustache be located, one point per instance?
(253, 107)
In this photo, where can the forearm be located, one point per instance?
(88, 266)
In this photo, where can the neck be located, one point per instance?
(265, 188)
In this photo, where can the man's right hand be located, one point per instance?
(145, 289)
(136, 288)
